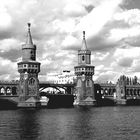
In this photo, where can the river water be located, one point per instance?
(97, 123)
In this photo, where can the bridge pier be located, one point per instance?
(121, 102)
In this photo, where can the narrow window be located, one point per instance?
(83, 58)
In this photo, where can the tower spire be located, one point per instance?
(84, 44)
(29, 37)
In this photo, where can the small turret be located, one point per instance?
(84, 44)
(84, 55)
(29, 49)
(29, 37)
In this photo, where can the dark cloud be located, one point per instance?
(89, 8)
(12, 55)
(100, 41)
(131, 4)
(133, 41)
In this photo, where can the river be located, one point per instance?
(97, 123)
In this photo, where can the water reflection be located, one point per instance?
(82, 124)
(29, 127)
(71, 124)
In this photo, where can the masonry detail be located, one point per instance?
(84, 72)
(28, 69)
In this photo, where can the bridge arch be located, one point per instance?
(8, 90)
(2, 90)
(14, 90)
(52, 92)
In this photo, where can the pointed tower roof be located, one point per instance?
(29, 42)
(84, 44)
(29, 37)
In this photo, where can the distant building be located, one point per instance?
(65, 77)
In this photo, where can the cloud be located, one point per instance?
(89, 8)
(8, 44)
(125, 62)
(57, 32)
(6, 18)
(108, 76)
(131, 52)
(100, 56)
(8, 68)
(74, 10)
(94, 21)
(97, 28)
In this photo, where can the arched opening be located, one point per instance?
(88, 83)
(2, 91)
(135, 92)
(52, 90)
(138, 92)
(8, 91)
(102, 91)
(98, 91)
(131, 92)
(110, 91)
(83, 58)
(106, 92)
(31, 81)
(14, 90)
(79, 83)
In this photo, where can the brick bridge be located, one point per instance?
(9, 90)
(125, 89)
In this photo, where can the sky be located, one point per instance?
(112, 33)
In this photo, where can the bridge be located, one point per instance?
(9, 93)
(105, 93)
(121, 92)
(12, 87)
(124, 91)
(68, 88)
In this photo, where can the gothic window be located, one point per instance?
(31, 81)
(88, 83)
(8, 91)
(2, 90)
(83, 58)
(21, 80)
(79, 83)
(32, 54)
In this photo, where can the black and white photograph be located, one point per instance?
(69, 69)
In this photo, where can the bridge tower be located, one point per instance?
(28, 69)
(84, 72)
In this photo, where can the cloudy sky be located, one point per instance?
(112, 32)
